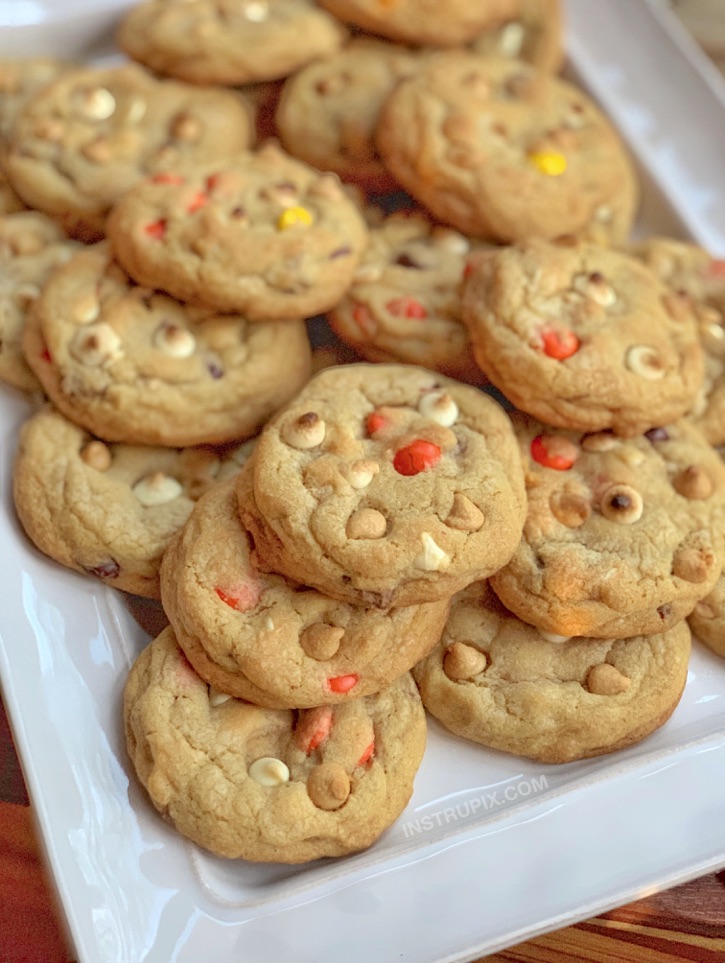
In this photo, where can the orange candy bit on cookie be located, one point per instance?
(166, 178)
(197, 201)
(343, 683)
(156, 229)
(553, 451)
(313, 729)
(560, 344)
(416, 457)
(363, 318)
(367, 754)
(242, 597)
(406, 307)
(374, 423)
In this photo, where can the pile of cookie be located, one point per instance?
(335, 553)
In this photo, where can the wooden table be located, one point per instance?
(685, 923)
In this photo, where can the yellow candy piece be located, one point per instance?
(292, 216)
(548, 162)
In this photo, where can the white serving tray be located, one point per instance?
(492, 849)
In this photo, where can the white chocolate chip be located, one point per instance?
(439, 407)
(98, 103)
(603, 214)
(174, 341)
(511, 39)
(630, 456)
(256, 11)
(269, 624)
(136, 111)
(644, 361)
(307, 431)
(600, 441)
(157, 489)
(595, 287)
(361, 473)
(368, 274)
(96, 344)
(432, 558)
(217, 698)
(451, 241)
(269, 771)
(553, 637)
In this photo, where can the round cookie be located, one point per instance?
(266, 236)
(423, 21)
(583, 337)
(693, 273)
(328, 112)
(87, 137)
(31, 246)
(622, 537)
(495, 680)
(10, 203)
(270, 785)
(404, 304)
(107, 510)
(131, 364)
(228, 42)
(534, 35)
(275, 643)
(386, 485)
(500, 150)
(707, 619)
(20, 81)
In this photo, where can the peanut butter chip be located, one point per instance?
(269, 771)
(328, 786)
(97, 455)
(217, 698)
(96, 344)
(432, 558)
(692, 565)
(604, 679)
(366, 523)
(439, 407)
(186, 128)
(622, 503)
(692, 482)
(570, 508)
(511, 39)
(361, 473)
(174, 341)
(157, 489)
(99, 151)
(307, 431)
(321, 641)
(464, 516)
(644, 361)
(463, 661)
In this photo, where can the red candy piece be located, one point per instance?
(166, 178)
(553, 452)
(45, 355)
(406, 307)
(362, 317)
(560, 344)
(242, 598)
(416, 457)
(716, 269)
(367, 755)
(198, 200)
(156, 229)
(212, 181)
(374, 423)
(313, 729)
(343, 683)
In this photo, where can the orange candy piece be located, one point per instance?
(560, 344)
(406, 307)
(374, 423)
(156, 229)
(313, 729)
(552, 451)
(416, 457)
(343, 683)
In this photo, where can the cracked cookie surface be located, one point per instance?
(386, 485)
(130, 363)
(622, 536)
(270, 785)
(497, 681)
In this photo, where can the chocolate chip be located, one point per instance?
(665, 612)
(406, 261)
(110, 569)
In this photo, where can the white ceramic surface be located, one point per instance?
(491, 849)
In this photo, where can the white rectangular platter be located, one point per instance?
(491, 850)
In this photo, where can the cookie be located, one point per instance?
(500, 150)
(131, 364)
(386, 485)
(583, 337)
(20, 81)
(328, 112)
(404, 304)
(707, 619)
(622, 537)
(266, 236)
(86, 138)
(106, 510)
(228, 42)
(10, 203)
(694, 274)
(270, 785)
(31, 247)
(275, 643)
(534, 35)
(422, 21)
(495, 680)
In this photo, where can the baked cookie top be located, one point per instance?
(107, 510)
(266, 235)
(131, 364)
(20, 81)
(87, 137)
(328, 111)
(583, 337)
(534, 34)
(497, 681)
(386, 485)
(263, 638)
(228, 42)
(404, 304)
(10, 203)
(423, 21)
(622, 536)
(693, 273)
(270, 785)
(500, 150)
(707, 619)
(31, 246)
